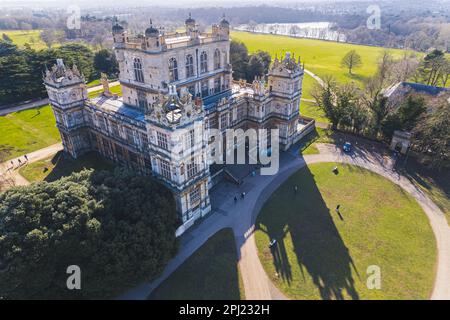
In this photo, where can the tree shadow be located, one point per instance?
(64, 165)
(211, 273)
(317, 244)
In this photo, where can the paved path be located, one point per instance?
(12, 172)
(316, 77)
(242, 215)
(43, 102)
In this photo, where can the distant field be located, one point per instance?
(20, 37)
(321, 57)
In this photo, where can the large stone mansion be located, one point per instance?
(170, 83)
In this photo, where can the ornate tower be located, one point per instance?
(285, 86)
(178, 141)
(67, 93)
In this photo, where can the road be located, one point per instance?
(12, 171)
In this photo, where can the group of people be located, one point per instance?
(19, 161)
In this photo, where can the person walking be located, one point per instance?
(26, 158)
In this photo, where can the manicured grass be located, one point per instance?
(321, 57)
(61, 165)
(21, 37)
(211, 273)
(114, 89)
(319, 135)
(323, 255)
(307, 85)
(310, 109)
(28, 130)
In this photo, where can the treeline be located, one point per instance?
(367, 111)
(246, 66)
(21, 70)
(117, 227)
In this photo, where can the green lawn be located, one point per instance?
(28, 130)
(114, 89)
(20, 37)
(307, 85)
(211, 273)
(321, 57)
(319, 135)
(310, 109)
(320, 255)
(61, 165)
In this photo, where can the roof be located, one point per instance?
(119, 107)
(416, 87)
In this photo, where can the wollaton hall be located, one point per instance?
(170, 83)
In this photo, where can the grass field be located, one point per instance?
(28, 130)
(321, 254)
(310, 109)
(58, 166)
(210, 273)
(321, 57)
(20, 37)
(114, 89)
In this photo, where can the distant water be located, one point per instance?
(313, 30)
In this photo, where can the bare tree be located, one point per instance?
(351, 60)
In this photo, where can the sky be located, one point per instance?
(162, 3)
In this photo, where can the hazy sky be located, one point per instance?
(165, 3)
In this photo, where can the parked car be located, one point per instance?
(347, 147)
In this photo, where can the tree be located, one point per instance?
(238, 59)
(105, 61)
(351, 61)
(7, 48)
(432, 67)
(432, 134)
(118, 227)
(341, 104)
(245, 66)
(405, 117)
(6, 38)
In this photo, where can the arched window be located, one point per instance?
(203, 62)
(173, 69)
(216, 59)
(138, 74)
(189, 66)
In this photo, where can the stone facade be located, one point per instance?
(176, 87)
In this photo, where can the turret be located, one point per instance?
(67, 94)
(191, 27)
(119, 33)
(153, 38)
(222, 29)
(285, 76)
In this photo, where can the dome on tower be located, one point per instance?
(190, 20)
(117, 28)
(224, 22)
(151, 31)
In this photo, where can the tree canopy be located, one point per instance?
(247, 66)
(118, 227)
(21, 69)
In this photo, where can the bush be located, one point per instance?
(119, 228)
